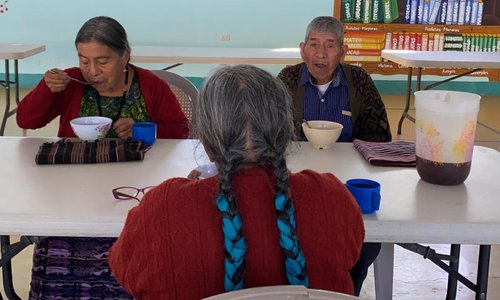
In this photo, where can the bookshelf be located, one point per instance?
(491, 25)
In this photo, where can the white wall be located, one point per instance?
(250, 23)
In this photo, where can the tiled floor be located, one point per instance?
(414, 277)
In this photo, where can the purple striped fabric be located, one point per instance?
(67, 151)
(396, 154)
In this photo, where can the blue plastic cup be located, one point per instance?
(144, 132)
(366, 192)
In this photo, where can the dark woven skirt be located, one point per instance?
(73, 268)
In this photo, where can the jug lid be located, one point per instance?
(447, 101)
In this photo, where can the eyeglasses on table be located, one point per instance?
(129, 192)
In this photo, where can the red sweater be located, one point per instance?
(41, 105)
(172, 244)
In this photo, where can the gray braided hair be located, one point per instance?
(243, 116)
(326, 24)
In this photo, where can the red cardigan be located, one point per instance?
(172, 244)
(41, 105)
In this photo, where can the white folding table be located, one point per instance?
(213, 55)
(438, 59)
(12, 51)
(76, 200)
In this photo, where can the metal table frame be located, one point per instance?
(438, 59)
(14, 52)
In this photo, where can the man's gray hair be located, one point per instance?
(326, 24)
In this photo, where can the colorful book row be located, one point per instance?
(369, 11)
(442, 42)
(365, 49)
(450, 12)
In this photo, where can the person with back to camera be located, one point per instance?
(324, 88)
(190, 239)
(77, 268)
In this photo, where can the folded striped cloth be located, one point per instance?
(67, 151)
(397, 154)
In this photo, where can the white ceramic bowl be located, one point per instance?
(91, 128)
(322, 134)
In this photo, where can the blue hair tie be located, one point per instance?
(234, 244)
(295, 262)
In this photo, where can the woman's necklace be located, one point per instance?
(122, 100)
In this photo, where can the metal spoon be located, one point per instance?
(78, 80)
(55, 71)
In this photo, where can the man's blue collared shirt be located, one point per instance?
(333, 105)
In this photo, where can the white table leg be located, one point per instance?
(384, 272)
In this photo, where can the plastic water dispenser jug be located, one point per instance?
(445, 126)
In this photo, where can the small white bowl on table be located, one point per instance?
(91, 128)
(322, 134)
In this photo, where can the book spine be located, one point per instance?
(473, 12)
(449, 12)
(430, 44)
(407, 11)
(434, 11)
(452, 46)
(401, 41)
(420, 11)
(413, 41)
(461, 12)
(443, 12)
(425, 12)
(394, 10)
(468, 7)
(406, 43)
(362, 39)
(441, 42)
(376, 13)
(413, 11)
(394, 40)
(367, 10)
(362, 58)
(425, 41)
(387, 11)
(480, 7)
(372, 46)
(363, 52)
(489, 43)
(431, 5)
(347, 11)
(357, 10)
(456, 6)
(473, 40)
(418, 43)
(436, 41)
(466, 42)
(388, 40)
(453, 38)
